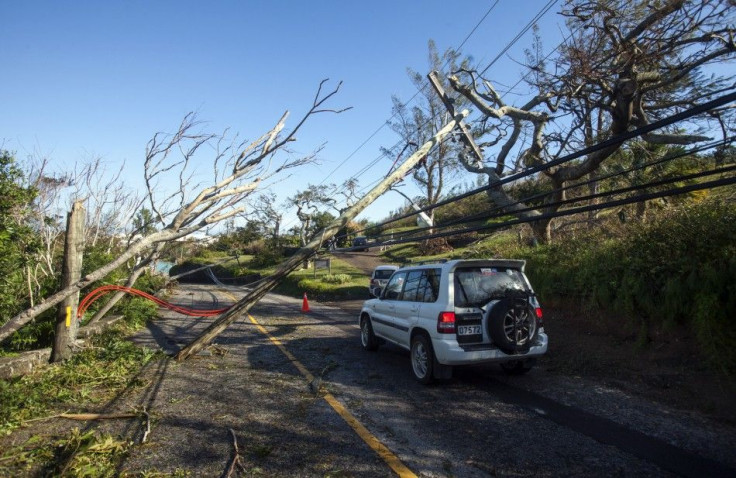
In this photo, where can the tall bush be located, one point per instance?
(18, 242)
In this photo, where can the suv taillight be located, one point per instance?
(446, 323)
(538, 311)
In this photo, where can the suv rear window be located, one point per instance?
(476, 286)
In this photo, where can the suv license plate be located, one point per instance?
(468, 330)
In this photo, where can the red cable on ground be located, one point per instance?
(100, 291)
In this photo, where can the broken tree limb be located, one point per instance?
(255, 294)
(235, 461)
(147, 430)
(98, 416)
(239, 169)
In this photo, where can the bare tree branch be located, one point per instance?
(209, 205)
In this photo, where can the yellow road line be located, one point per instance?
(391, 460)
(370, 439)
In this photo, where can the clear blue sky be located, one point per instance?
(83, 78)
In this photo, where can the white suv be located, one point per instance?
(457, 313)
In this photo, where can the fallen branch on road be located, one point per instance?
(235, 462)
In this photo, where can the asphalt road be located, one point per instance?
(303, 399)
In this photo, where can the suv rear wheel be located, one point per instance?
(367, 338)
(422, 359)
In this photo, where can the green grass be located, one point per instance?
(354, 284)
(401, 253)
(91, 378)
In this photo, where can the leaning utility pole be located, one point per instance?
(67, 324)
(467, 137)
(255, 294)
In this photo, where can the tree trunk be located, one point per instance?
(67, 324)
(542, 230)
(593, 189)
(641, 209)
(27, 315)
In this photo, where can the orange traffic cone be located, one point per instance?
(305, 304)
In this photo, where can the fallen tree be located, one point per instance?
(304, 253)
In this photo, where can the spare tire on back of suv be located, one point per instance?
(512, 323)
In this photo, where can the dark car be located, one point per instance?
(360, 243)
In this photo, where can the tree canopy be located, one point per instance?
(623, 65)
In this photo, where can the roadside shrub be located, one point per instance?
(269, 256)
(680, 269)
(36, 335)
(312, 286)
(336, 278)
(432, 247)
(150, 283)
(137, 310)
(318, 290)
(255, 247)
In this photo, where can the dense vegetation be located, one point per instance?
(29, 266)
(680, 269)
(93, 377)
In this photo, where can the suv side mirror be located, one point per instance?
(377, 292)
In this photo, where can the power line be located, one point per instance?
(685, 114)
(383, 125)
(534, 20)
(541, 13)
(581, 209)
(354, 151)
(489, 216)
(476, 26)
(623, 172)
(500, 211)
(564, 40)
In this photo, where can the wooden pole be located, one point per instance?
(67, 324)
(254, 295)
(467, 137)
